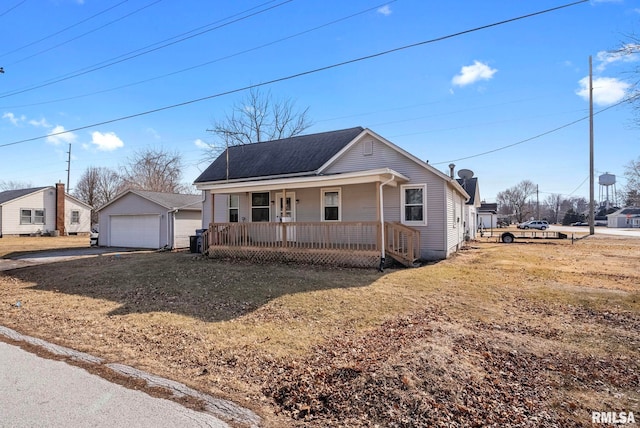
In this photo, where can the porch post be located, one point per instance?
(213, 208)
(283, 211)
(379, 215)
(382, 231)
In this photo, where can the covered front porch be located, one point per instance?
(353, 244)
(277, 220)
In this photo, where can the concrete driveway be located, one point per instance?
(60, 255)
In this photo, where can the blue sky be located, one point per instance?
(73, 64)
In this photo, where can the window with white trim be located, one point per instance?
(260, 206)
(31, 216)
(234, 208)
(414, 204)
(75, 217)
(331, 204)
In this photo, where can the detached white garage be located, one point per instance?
(141, 219)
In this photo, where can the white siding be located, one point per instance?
(432, 236)
(470, 221)
(132, 204)
(488, 220)
(44, 199)
(85, 217)
(221, 209)
(455, 226)
(185, 225)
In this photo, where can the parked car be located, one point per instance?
(534, 224)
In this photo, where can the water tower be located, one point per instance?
(607, 181)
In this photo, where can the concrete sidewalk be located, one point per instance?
(41, 392)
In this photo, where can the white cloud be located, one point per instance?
(155, 134)
(470, 74)
(385, 10)
(13, 118)
(106, 142)
(627, 54)
(606, 90)
(201, 144)
(42, 123)
(58, 136)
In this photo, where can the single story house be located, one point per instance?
(470, 184)
(142, 219)
(347, 197)
(488, 216)
(626, 217)
(43, 210)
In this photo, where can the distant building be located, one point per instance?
(488, 215)
(625, 218)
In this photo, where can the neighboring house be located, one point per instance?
(347, 197)
(43, 210)
(470, 184)
(488, 216)
(141, 219)
(625, 217)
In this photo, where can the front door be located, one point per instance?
(286, 213)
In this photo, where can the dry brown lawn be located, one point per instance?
(537, 333)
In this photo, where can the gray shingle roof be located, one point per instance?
(488, 207)
(9, 195)
(630, 211)
(469, 185)
(172, 200)
(295, 155)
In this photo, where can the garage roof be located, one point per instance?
(170, 201)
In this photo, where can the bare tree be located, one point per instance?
(553, 204)
(632, 188)
(514, 200)
(96, 187)
(154, 170)
(258, 117)
(14, 185)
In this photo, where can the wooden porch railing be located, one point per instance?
(349, 236)
(402, 243)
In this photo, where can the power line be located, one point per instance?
(63, 30)
(209, 62)
(11, 8)
(89, 32)
(537, 136)
(142, 51)
(297, 75)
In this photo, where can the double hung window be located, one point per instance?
(414, 204)
(260, 206)
(331, 205)
(31, 216)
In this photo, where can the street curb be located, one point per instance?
(219, 408)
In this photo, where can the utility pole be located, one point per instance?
(537, 202)
(592, 219)
(68, 168)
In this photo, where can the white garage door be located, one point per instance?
(135, 231)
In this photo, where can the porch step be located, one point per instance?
(402, 259)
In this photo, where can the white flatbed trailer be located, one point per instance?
(509, 237)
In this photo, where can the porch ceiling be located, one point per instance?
(359, 177)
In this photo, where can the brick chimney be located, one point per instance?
(60, 208)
